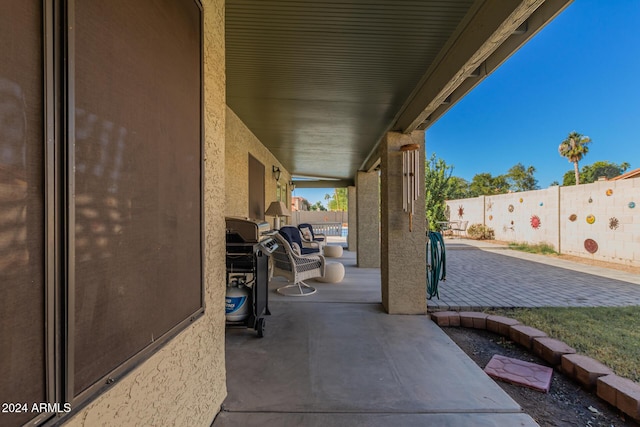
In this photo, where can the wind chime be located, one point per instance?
(410, 168)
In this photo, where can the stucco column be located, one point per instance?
(403, 252)
(352, 237)
(368, 221)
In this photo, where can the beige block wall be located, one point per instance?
(314, 217)
(554, 206)
(240, 142)
(472, 209)
(621, 244)
(184, 383)
(517, 226)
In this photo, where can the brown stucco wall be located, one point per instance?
(184, 383)
(240, 142)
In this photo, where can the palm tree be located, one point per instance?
(574, 148)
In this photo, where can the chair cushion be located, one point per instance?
(305, 227)
(307, 251)
(292, 235)
(306, 234)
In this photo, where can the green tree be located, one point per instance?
(521, 178)
(458, 188)
(487, 184)
(317, 206)
(569, 178)
(338, 200)
(574, 148)
(591, 173)
(437, 184)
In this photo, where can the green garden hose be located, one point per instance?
(437, 268)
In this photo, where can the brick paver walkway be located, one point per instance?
(484, 276)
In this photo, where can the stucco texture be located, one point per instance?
(352, 237)
(184, 383)
(240, 142)
(368, 220)
(403, 250)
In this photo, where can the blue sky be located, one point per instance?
(579, 73)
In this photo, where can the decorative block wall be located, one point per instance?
(599, 221)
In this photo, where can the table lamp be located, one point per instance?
(276, 210)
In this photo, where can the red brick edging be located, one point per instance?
(619, 392)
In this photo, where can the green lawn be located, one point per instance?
(540, 248)
(610, 335)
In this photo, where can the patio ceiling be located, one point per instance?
(321, 82)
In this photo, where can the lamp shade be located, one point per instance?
(277, 209)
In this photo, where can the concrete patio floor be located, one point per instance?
(336, 359)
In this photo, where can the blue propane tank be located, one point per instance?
(237, 301)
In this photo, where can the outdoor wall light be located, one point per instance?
(276, 172)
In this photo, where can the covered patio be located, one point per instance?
(338, 92)
(131, 130)
(336, 359)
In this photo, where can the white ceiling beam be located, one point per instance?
(541, 17)
(492, 24)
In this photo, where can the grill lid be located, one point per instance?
(244, 230)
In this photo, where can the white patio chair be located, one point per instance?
(288, 263)
(308, 235)
(459, 228)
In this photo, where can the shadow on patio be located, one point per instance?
(335, 358)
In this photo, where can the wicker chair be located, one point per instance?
(288, 263)
(309, 236)
(294, 237)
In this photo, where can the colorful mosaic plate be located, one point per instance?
(591, 246)
(535, 222)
